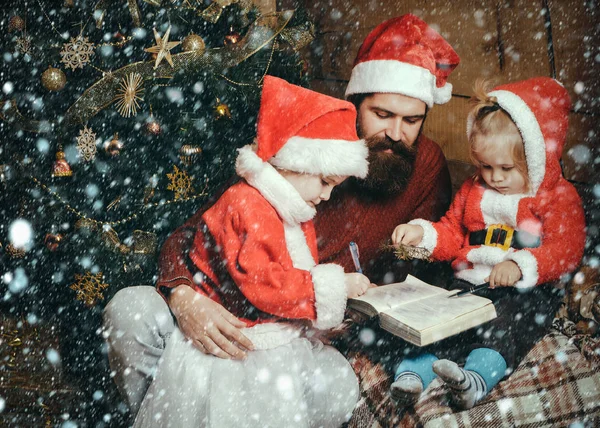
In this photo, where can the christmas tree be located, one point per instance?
(118, 121)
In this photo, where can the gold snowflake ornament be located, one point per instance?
(86, 144)
(162, 48)
(181, 183)
(77, 52)
(24, 45)
(88, 288)
(128, 94)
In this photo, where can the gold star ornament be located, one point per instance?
(162, 48)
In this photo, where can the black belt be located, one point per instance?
(500, 235)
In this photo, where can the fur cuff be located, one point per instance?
(529, 268)
(429, 240)
(330, 295)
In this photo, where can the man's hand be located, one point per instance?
(211, 328)
(407, 234)
(504, 274)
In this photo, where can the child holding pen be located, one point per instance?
(256, 253)
(517, 224)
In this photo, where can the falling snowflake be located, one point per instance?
(88, 288)
(86, 144)
(24, 45)
(181, 183)
(128, 94)
(77, 52)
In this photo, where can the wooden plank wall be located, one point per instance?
(504, 40)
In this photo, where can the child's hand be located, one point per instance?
(504, 274)
(356, 284)
(407, 234)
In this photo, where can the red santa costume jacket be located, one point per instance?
(255, 249)
(551, 211)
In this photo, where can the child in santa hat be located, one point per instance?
(256, 253)
(517, 224)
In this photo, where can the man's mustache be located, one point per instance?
(399, 148)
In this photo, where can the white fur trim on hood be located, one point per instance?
(273, 187)
(533, 139)
(323, 157)
(330, 295)
(391, 76)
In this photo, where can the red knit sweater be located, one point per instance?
(352, 216)
(347, 216)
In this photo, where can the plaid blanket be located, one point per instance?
(554, 386)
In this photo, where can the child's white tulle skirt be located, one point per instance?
(301, 383)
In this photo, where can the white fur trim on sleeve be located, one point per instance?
(529, 268)
(323, 157)
(330, 295)
(430, 236)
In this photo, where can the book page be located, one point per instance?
(436, 311)
(386, 297)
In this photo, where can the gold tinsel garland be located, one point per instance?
(102, 93)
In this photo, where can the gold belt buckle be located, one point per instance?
(509, 236)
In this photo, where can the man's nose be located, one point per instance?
(394, 131)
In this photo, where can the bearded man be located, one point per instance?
(400, 72)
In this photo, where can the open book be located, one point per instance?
(421, 313)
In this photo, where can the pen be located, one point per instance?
(472, 289)
(355, 256)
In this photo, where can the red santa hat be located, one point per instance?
(303, 131)
(405, 56)
(540, 109)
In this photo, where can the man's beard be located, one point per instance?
(389, 173)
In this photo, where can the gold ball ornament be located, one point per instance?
(231, 38)
(114, 146)
(52, 241)
(54, 79)
(153, 127)
(222, 111)
(16, 23)
(193, 42)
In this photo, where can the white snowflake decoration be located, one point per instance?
(86, 144)
(77, 52)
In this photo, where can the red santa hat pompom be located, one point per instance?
(540, 108)
(404, 56)
(303, 131)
